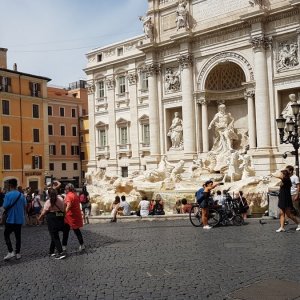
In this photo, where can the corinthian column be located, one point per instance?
(260, 44)
(188, 106)
(205, 141)
(92, 164)
(249, 96)
(152, 71)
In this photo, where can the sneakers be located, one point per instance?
(18, 256)
(52, 254)
(298, 227)
(81, 248)
(60, 256)
(207, 227)
(9, 255)
(281, 229)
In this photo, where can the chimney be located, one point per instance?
(3, 58)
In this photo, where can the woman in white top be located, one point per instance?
(144, 207)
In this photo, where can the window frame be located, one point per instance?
(4, 139)
(50, 132)
(4, 107)
(63, 132)
(62, 112)
(63, 149)
(122, 84)
(35, 111)
(36, 135)
(6, 156)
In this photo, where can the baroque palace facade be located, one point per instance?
(194, 55)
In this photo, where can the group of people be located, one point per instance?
(120, 206)
(63, 212)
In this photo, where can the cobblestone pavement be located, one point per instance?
(154, 260)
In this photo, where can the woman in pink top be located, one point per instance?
(73, 217)
(54, 211)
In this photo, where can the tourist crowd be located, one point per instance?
(62, 212)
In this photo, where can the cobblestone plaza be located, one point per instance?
(158, 260)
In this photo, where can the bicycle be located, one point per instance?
(195, 216)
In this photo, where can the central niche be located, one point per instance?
(225, 76)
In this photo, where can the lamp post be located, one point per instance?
(292, 134)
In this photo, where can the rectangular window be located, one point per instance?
(124, 171)
(62, 130)
(122, 85)
(120, 51)
(74, 150)
(101, 89)
(35, 89)
(5, 107)
(102, 138)
(123, 135)
(75, 166)
(73, 112)
(37, 162)
(74, 131)
(51, 166)
(64, 166)
(50, 111)
(36, 135)
(144, 81)
(99, 57)
(35, 111)
(50, 129)
(63, 149)
(146, 134)
(52, 150)
(5, 83)
(6, 133)
(6, 162)
(62, 111)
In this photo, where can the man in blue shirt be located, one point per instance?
(15, 218)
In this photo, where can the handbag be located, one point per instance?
(5, 213)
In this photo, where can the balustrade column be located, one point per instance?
(249, 96)
(260, 44)
(205, 140)
(152, 71)
(188, 105)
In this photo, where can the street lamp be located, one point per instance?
(291, 135)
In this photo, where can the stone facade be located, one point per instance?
(199, 54)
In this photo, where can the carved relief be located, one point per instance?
(172, 80)
(185, 61)
(287, 56)
(152, 69)
(132, 78)
(261, 42)
(91, 88)
(110, 83)
(249, 94)
(260, 3)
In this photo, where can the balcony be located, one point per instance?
(144, 149)
(102, 152)
(124, 150)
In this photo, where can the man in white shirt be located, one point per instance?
(295, 189)
(126, 207)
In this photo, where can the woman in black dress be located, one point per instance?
(285, 200)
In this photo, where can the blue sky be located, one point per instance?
(51, 37)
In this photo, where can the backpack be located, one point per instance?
(200, 195)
